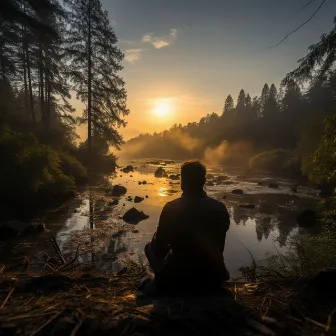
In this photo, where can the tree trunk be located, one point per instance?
(42, 104)
(24, 61)
(89, 84)
(31, 97)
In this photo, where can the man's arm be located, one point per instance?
(162, 237)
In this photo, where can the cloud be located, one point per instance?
(133, 55)
(160, 41)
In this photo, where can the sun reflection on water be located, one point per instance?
(162, 192)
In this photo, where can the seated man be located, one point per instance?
(186, 252)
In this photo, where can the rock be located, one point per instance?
(135, 231)
(128, 169)
(209, 176)
(228, 182)
(131, 175)
(154, 162)
(144, 182)
(224, 197)
(169, 162)
(129, 198)
(114, 202)
(307, 218)
(35, 228)
(12, 229)
(134, 216)
(139, 182)
(247, 206)
(146, 196)
(118, 190)
(273, 185)
(174, 177)
(294, 189)
(209, 184)
(138, 199)
(237, 192)
(260, 183)
(160, 172)
(222, 178)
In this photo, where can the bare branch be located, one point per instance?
(306, 5)
(301, 25)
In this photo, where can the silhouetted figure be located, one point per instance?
(186, 252)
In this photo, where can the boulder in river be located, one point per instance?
(169, 162)
(128, 169)
(35, 228)
(118, 190)
(154, 162)
(307, 218)
(209, 184)
(174, 177)
(237, 192)
(209, 176)
(160, 172)
(114, 202)
(273, 185)
(294, 189)
(138, 199)
(134, 216)
(222, 178)
(247, 206)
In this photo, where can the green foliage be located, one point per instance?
(33, 171)
(73, 168)
(325, 156)
(305, 255)
(278, 161)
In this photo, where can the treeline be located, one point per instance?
(283, 125)
(52, 50)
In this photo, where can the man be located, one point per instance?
(186, 252)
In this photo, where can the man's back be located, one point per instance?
(193, 228)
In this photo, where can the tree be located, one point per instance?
(229, 105)
(241, 101)
(319, 60)
(264, 95)
(95, 63)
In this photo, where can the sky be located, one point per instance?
(183, 57)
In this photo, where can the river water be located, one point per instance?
(91, 224)
(264, 229)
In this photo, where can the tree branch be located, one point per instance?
(301, 25)
(306, 5)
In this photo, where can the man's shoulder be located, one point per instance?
(174, 203)
(215, 203)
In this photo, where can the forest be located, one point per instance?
(51, 54)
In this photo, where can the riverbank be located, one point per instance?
(80, 302)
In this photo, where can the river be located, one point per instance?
(93, 225)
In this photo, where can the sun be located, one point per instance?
(162, 108)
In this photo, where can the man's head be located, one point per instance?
(192, 177)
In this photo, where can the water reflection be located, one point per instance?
(260, 218)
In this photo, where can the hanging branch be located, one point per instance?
(301, 25)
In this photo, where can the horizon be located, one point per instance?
(163, 60)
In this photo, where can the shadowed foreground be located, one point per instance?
(83, 303)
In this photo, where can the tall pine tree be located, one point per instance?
(95, 63)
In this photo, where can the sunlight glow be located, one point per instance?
(162, 192)
(162, 107)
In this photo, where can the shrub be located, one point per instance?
(73, 168)
(278, 161)
(31, 172)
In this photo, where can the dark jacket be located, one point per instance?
(192, 230)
